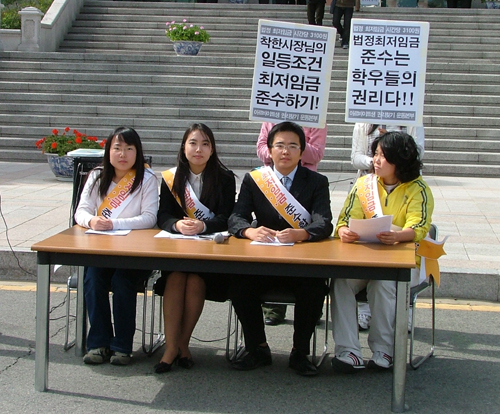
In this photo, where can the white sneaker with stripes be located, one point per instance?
(380, 360)
(347, 362)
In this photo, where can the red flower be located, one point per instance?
(66, 129)
(40, 142)
(78, 139)
(54, 145)
(55, 131)
(102, 143)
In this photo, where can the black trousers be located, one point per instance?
(343, 31)
(316, 12)
(309, 298)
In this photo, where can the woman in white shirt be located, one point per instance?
(122, 194)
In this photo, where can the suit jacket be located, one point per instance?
(170, 211)
(308, 187)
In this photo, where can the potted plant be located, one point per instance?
(187, 38)
(56, 146)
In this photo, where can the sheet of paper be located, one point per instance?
(109, 232)
(369, 228)
(167, 235)
(273, 243)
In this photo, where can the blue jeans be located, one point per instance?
(123, 283)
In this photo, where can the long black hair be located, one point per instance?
(212, 174)
(401, 151)
(107, 171)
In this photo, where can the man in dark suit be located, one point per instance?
(308, 190)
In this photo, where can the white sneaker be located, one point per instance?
(97, 356)
(347, 363)
(120, 358)
(380, 360)
(364, 321)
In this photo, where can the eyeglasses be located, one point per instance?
(289, 147)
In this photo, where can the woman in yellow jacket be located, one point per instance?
(398, 190)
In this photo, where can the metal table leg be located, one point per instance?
(400, 347)
(42, 328)
(80, 315)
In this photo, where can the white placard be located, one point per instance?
(370, 3)
(367, 229)
(293, 64)
(386, 74)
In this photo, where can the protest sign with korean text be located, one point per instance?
(293, 64)
(386, 73)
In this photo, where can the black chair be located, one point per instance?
(415, 362)
(81, 168)
(279, 297)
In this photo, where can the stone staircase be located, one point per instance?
(116, 67)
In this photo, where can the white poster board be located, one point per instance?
(386, 73)
(370, 3)
(292, 73)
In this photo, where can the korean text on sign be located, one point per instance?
(386, 74)
(292, 73)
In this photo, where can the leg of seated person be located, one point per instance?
(193, 306)
(124, 287)
(382, 299)
(344, 321)
(97, 284)
(173, 313)
(245, 296)
(309, 300)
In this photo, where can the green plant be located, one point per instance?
(185, 31)
(62, 144)
(10, 14)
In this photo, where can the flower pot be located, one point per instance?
(187, 47)
(62, 167)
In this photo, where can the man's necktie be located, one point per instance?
(286, 182)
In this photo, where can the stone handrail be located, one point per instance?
(43, 35)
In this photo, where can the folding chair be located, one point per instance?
(414, 292)
(82, 167)
(415, 362)
(279, 297)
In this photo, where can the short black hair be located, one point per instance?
(401, 151)
(287, 127)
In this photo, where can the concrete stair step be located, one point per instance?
(106, 77)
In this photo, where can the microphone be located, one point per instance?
(219, 238)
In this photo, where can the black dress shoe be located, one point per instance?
(273, 321)
(260, 357)
(301, 364)
(185, 362)
(163, 367)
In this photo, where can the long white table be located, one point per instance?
(140, 250)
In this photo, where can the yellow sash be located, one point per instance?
(368, 196)
(117, 198)
(280, 198)
(194, 208)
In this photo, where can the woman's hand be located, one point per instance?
(100, 223)
(261, 234)
(347, 236)
(392, 237)
(189, 226)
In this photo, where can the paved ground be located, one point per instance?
(462, 377)
(35, 206)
